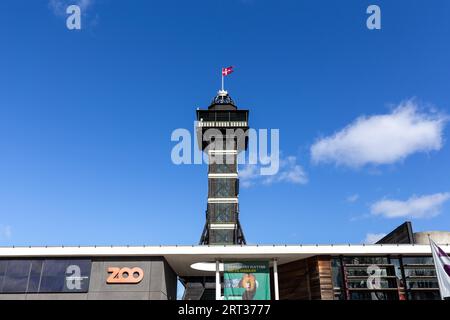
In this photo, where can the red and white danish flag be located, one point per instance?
(227, 71)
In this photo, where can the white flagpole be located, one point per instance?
(222, 82)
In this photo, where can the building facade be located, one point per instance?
(69, 277)
(222, 266)
(360, 277)
(303, 272)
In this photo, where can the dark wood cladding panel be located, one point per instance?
(293, 280)
(307, 279)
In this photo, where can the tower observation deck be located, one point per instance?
(222, 134)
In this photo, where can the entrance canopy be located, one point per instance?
(180, 258)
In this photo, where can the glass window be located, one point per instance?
(395, 277)
(77, 276)
(371, 278)
(363, 271)
(366, 260)
(237, 116)
(357, 295)
(65, 276)
(423, 283)
(397, 268)
(3, 264)
(424, 295)
(16, 276)
(53, 276)
(336, 268)
(420, 277)
(420, 272)
(35, 276)
(379, 283)
(418, 260)
(222, 116)
(22, 276)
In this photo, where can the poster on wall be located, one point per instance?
(247, 280)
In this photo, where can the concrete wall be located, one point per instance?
(440, 237)
(159, 282)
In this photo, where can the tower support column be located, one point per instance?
(275, 279)
(218, 286)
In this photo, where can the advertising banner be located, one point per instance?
(247, 280)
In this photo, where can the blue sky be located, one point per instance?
(86, 118)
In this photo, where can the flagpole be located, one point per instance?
(222, 82)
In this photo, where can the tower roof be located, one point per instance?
(222, 101)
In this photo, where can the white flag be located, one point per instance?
(442, 265)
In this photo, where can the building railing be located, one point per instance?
(222, 124)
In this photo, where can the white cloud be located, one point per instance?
(382, 139)
(5, 232)
(289, 172)
(247, 175)
(415, 207)
(353, 198)
(372, 238)
(59, 6)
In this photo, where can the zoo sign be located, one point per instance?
(125, 275)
